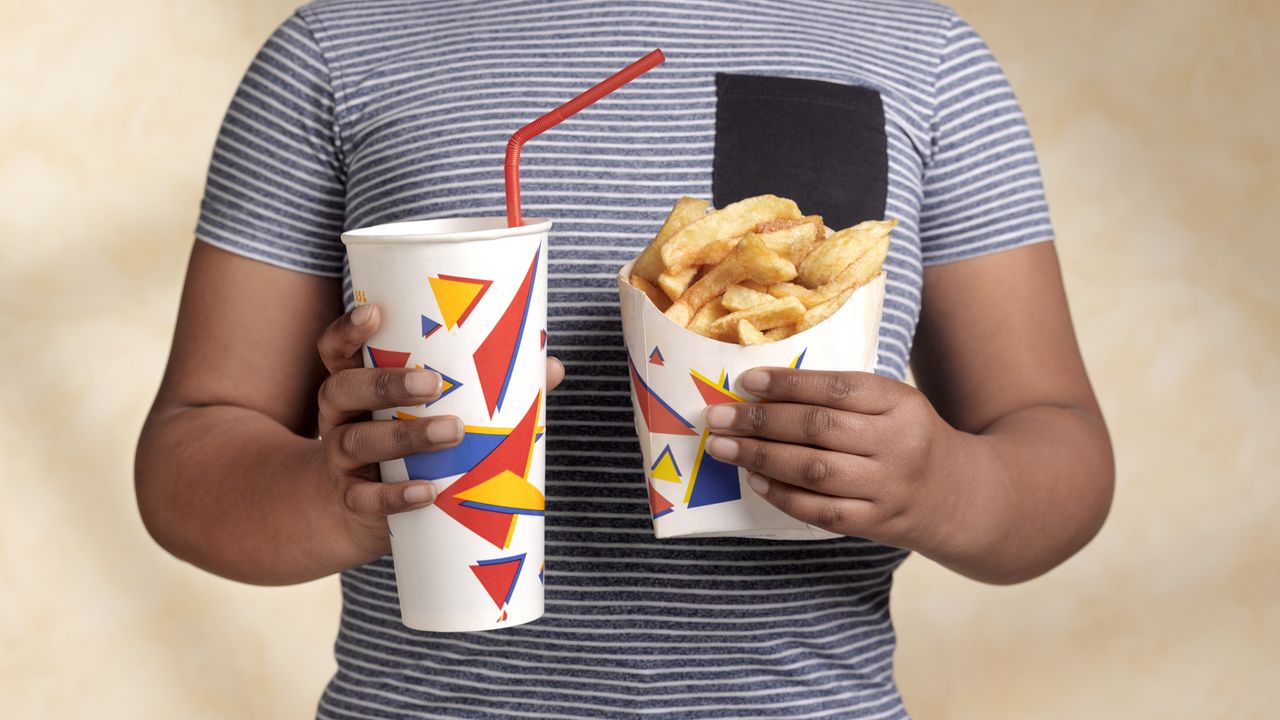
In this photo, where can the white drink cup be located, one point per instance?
(466, 297)
(676, 374)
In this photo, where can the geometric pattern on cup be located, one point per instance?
(498, 577)
(495, 358)
(495, 519)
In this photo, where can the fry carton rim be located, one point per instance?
(624, 283)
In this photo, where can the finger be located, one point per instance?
(815, 425)
(555, 373)
(823, 471)
(341, 343)
(847, 516)
(853, 391)
(375, 499)
(351, 392)
(356, 445)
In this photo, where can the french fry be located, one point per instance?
(769, 226)
(674, 284)
(780, 333)
(655, 295)
(766, 316)
(687, 209)
(708, 287)
(749, 335)
(688, 246)
(709, 313)
(835, 253)
(793, 242)
(821, 312)
(756, 271)
(860, 271)
(739, 297)
(800, 292)
(749, 259)
(762, 264)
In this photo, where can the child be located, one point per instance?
(258, 462)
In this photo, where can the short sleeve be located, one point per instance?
(982, 187)
(275, 189)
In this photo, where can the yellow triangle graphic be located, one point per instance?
(506, 490)
(456, 298)
(666, 468)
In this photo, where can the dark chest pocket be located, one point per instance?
(821, 144)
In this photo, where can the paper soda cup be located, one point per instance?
(676, 374)
(466, 298)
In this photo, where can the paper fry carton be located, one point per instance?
(676, 374)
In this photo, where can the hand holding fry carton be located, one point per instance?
(715, 294)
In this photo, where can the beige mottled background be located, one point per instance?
(1156, 121)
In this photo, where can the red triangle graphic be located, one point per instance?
(658, 505)
(388, 358)
(658, 415)
(711, 393)
(512, 454)
(496, 356)
(499, 578)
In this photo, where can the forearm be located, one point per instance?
(1027, 492)
(236, 493)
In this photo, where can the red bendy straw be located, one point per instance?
(514, 217)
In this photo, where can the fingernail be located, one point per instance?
(758, 483)
(361, 315)
(755, 381)
(418, 494)
(723, 448)
(444, 430)
(719, 416)
(422, 383)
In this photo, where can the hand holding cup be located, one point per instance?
(354, 444)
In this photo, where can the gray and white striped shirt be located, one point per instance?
(358, 112)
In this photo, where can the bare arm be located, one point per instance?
(996, 354)
(1000, 469)
(230, 474)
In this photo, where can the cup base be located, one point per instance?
(436, 622)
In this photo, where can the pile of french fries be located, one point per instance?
(757, 270)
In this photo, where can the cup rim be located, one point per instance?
(441, 230)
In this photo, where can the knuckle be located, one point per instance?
(791, 381)
(830, 515)
(387, 499)
(404, 436)
(837, 386)
(384, 385)
(757, 456)
(757, 417)
(329, 390)
(351, 498)
(351, 443)
(818, 422)
(816, 471)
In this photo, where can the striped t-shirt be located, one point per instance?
(360, 112)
